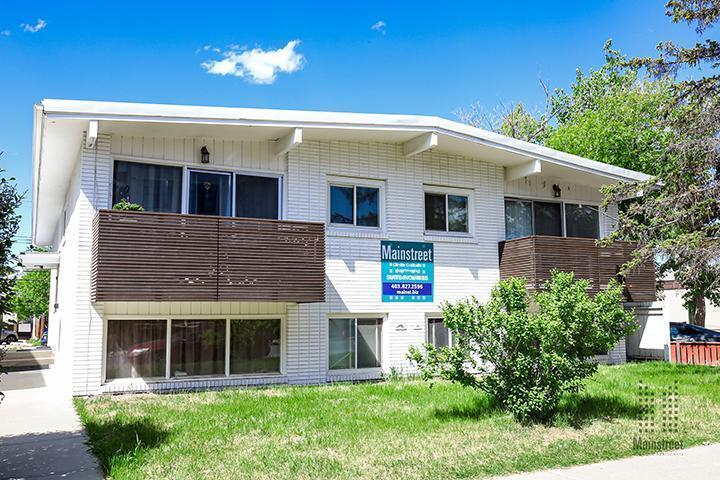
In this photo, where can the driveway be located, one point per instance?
(40, 433)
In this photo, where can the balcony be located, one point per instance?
(143, 256)
(535, 257)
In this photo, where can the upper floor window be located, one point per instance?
(446, 212)
(157, 188)
(355, 205)
(582, 221)
(530, 217)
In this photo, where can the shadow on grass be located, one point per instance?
(574, 410)
(579, 410)
(115, 441)
(483, 406)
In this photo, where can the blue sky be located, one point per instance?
(424, 58)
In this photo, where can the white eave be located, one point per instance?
(59, 125)
(39, 260)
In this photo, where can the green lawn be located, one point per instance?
(401, 429)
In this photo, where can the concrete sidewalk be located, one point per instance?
(40, 433)
(692, 463)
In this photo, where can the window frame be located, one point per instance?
(563, 216)
(168, 346)
(185, 179)
(346, 182)
(381, 318)
(468, 193)
(428, 317)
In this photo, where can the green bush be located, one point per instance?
(127, 206)
(528, 354)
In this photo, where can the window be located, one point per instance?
(438, 334)
(548, 218)
(254, 346)
(355, 343)
(158, 188)
(135, 348)
(528, 217)
(581, 221)
(355, 205)
(209, 193)
(257, 197)
(446, 212)
(197, 348)
(518, 219)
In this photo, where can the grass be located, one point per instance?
(400, 429)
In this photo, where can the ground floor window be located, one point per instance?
(355, 343)
(140, 348)
(197, 347)
(438, 334)
(254, 346)
(135, 348)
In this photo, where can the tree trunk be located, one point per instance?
(698, 314)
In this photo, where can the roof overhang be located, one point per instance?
(39, 260)
(59, 127)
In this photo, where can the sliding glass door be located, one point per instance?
(209, 193)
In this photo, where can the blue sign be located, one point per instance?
(407, 270)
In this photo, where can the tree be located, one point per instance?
(10, 201)
(32, 294)
(527, 358)
(612, 116)
(677, 219)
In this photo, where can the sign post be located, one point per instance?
(407, 270)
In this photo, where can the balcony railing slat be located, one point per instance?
(143, 256)
(535, 257)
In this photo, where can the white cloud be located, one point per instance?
(34, 28)
(257, 65)
(379, 26)
(5, 33)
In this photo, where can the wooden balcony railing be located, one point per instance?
(143, 256)
(536, 257)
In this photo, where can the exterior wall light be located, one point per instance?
(204, 155)
(557, 191)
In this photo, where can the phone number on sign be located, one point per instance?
(406, 286)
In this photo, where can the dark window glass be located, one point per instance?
(548, 219)
(435, 212)
(341, 205)
(518, 219)
(457, 213)
(256, 197)
(438, 333)
(209, 193)
(197, 348)
(367, 206)
(135, 348)
(342, 343)
(581, 221)
(157, 188)
(254, 346)
(368, 342)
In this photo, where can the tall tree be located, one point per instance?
(612, 115)
(677, 219)
(10, 200)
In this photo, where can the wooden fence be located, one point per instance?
(695, 353)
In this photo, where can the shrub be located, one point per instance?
(527, 355)
(125, 205)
